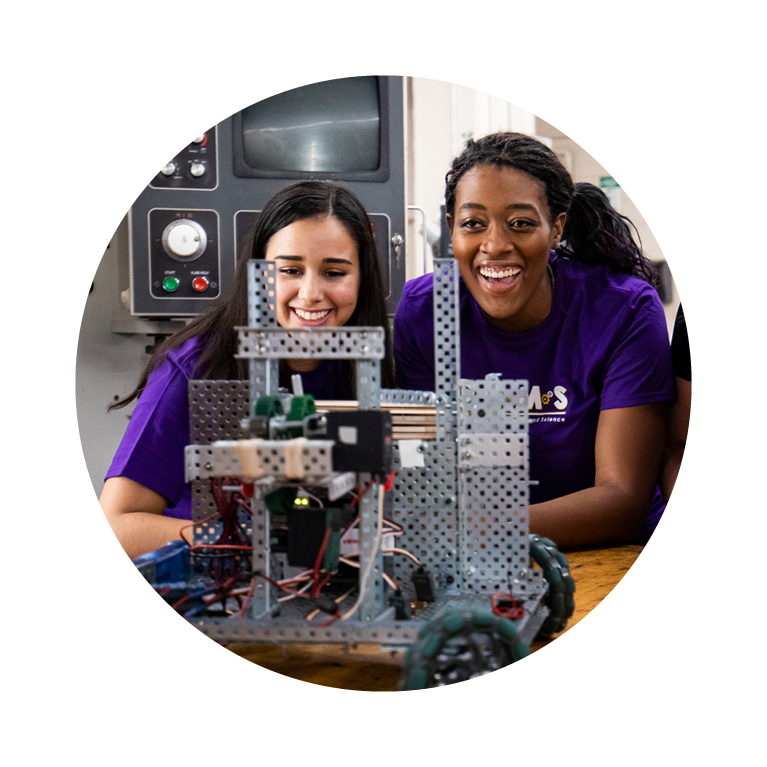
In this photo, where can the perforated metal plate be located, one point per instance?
(311, 343)
(368, 378)
(215, 411)
(221, 459)
(447, 350)
(262, 294)
(494, 498)
(262, 313)
(509, 450)
(292, 626)
(407, 397)
(424, 502)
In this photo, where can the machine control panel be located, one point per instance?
(184, 253)
(194, 167)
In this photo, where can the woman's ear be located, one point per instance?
(449, 220)
(556, 230)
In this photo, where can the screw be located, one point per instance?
(467, 455)
(208, 466)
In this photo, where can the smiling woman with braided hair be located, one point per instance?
(555, 290)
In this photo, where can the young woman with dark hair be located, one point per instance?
(327, 275)
(555, 290)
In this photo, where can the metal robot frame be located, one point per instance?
(461, 499)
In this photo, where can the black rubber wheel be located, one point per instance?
(556, 571)
(460, 645)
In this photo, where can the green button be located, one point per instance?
(170, 284)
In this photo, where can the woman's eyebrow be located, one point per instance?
(513, 206)
(336, 261)
(289, 258)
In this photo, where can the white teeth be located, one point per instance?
(311, 315)
(497, 274)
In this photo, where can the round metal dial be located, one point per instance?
(197, 169)
(184, 240)
(169, 169)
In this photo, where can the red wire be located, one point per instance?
(357, 498)
(248, 597)
(221, 546)
(335, 617)
(280, 586)
(515, 612)
(315, 587)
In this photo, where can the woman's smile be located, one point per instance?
(311, 318)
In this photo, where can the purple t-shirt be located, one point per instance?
(604, 345)
(152, 449)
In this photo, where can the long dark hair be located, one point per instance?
(215, 328)
(594, 233)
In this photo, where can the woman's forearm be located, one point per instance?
(597, 516)
(672, 460)
(140, 532)
(134, 513)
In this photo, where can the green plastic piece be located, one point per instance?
(552, 572)
(453, 622)
(425, 630)
(416, 679)
(332, 552)
(430, 645)
(556, 571)
(281, 500)
(506, 628)
(557, 604)
(269, 405)
(520, 650)
(482, 617)
(301, 407)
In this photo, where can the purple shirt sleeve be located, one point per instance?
(152, 449)
(638, 361)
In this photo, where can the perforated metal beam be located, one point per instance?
(311, 343)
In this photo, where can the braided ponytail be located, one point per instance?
(594, 233)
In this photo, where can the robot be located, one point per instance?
(320, 527)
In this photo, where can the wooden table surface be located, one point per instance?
(365, 667)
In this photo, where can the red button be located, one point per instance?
(200, 284)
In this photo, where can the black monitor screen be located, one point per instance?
(332, 127)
